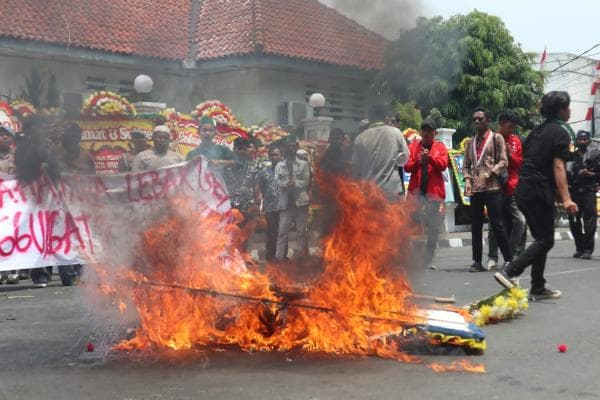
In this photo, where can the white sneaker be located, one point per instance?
(491, 264)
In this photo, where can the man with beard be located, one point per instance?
(428, 159)
(542, 177)
(583, 187)
(485, 159)
(159, 156)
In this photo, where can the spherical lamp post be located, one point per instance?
(143, 84)
(316, 101)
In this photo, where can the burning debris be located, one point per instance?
(190, 289)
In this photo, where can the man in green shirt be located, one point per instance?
(216, 154)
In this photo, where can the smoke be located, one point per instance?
(386, 17)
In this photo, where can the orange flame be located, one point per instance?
(362, 290)
(461, 365)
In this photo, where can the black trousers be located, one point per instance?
(540, 218)
(272, 230)
(586, 218)
(492, 201)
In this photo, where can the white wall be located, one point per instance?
(576, 78)
(254, 93)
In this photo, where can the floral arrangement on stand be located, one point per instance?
(411, 135)
(23, 108)
(107, 104)
(462, 145)
(227, 123)
(267, 135)
(507, 304)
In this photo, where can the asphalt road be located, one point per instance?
(43, 337)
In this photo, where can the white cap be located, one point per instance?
(161, 128)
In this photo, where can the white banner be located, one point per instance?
(75, 219)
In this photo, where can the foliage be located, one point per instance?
(34, 88)
(409, 116)
(458, 64)
(437, 116)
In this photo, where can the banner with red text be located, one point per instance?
(81, 218)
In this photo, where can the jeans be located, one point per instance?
(516, 228)
(298, 215)
(586, 218)
(69, 273)
(540, 218)
(491, 200)
(429, 216)
(39, 275)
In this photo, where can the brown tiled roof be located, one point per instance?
(150, 28)
(303, 29)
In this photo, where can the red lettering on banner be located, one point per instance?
(142, 185)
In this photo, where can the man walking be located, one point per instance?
(514, 220)
(583, 187)
(293, 177)
(428, 159)
(485, 159)
(542, 177)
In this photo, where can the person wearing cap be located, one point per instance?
(583, 186)
(160, 155)
(216, 154)
(293, 179)
(7, 167)
(377, 154)
(137, 144)
(428, 159)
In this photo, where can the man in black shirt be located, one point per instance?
(583, 185)
(543, 174)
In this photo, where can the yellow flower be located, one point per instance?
(518, 293)
(500, 302)
(512, 304)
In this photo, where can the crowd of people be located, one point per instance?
(512, 181)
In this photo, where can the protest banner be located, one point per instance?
(74, 219)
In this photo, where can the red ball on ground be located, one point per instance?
(90, 347)
(562, 348)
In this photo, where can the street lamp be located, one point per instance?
(143, 84)
(316, 101)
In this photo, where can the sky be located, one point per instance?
(571, 26)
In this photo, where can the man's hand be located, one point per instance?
(424, 156)
(468, 189)
(570, 206)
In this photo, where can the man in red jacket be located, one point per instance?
(428, 159)
(514, 220)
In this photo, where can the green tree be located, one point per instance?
(409, 116)
(34, 88)
(458, 64)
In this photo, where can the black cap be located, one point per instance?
(135, 134)
(583, 135)
(429, 123)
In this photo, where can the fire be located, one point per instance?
(461, 365)
(191, 289)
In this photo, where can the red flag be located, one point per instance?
(544, 56)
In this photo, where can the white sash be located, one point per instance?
(474, 147)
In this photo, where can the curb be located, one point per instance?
(259, 254)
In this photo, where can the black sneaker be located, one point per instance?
(577, 254)
(476, 267)
(505, 280)
(586, 256)
(544, 293)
